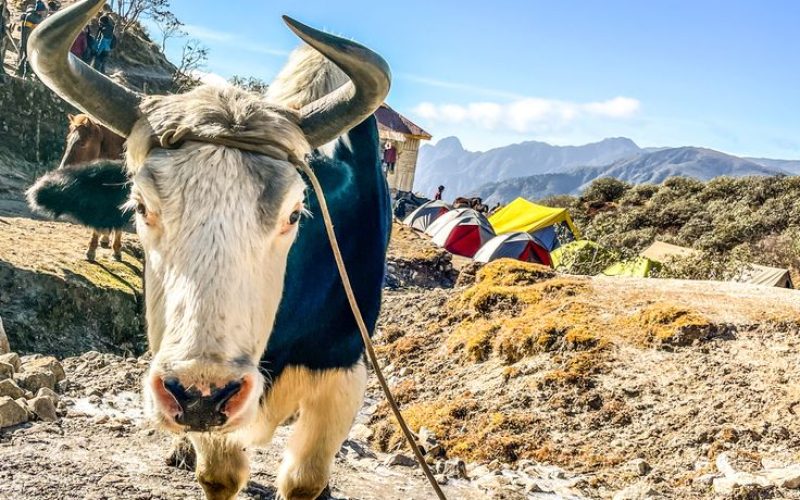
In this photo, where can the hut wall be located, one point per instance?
(406, 167)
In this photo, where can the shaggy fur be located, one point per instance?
(91, 195)
(307, 77)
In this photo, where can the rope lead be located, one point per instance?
(362, 327)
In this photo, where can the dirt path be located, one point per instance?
(103, 448)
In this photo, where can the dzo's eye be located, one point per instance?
(294, 217)
(141, 209)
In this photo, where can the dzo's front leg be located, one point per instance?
(331, 401)
(222, 465)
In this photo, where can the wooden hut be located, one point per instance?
(405, 135)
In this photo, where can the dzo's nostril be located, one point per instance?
(200, 412)
(222, 396)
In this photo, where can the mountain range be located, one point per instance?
(536, 169)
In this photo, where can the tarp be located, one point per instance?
(767, 276)
(639, 267)
(581, 253)
(662, 252)
(444, 220)
(464, 235)
(525, 216)
(520, 246)
(424, 215)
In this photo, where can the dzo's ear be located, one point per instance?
(91, 195)
(70, 117)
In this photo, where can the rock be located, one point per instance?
(638, 466)
(455, 468)
(46, 363)
(785, 477)
(12, 359)
(44, 392)
(354, 448)
(400, 459)
(44, 408)
(9, 389)
(35, 380)
(361, 432)
(11, 413)
(23, 403)
(636, 491)
(5, 348)
(6, 371)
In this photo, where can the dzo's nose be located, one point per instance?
(198, 412)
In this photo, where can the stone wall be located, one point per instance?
(33, 122)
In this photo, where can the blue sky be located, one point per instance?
(714, 73)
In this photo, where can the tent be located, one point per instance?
(581, 256)
(428, 212)
(639, 267)
(520, 246)
(444, 220)
(767, 276)
(662, 252)
(543, 222)
(465, 234)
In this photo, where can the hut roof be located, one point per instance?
(392, 121)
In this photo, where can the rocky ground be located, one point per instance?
(98, 445)
(636, 388)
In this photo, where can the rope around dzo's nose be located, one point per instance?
(362, 327)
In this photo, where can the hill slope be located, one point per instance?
(652, 167)
(462, 171)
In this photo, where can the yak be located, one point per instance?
(247, 320)
(90, 153)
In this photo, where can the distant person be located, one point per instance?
(53, 6)
(81, 47)
(106, 42)
(5, 17)
(389, 156)
(30, 20)
(439, 191)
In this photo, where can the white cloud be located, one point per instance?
(210, 78)
(526, 115)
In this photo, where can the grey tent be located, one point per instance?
(767, 276)
(424, 215)
(520, 246)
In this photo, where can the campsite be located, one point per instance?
(530, 232)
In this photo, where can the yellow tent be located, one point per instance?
(639, 267)
(523, 216)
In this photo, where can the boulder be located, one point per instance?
(50, 394)
(9, 389)
(6, 371)
(400, 459)
(11, 413)
(35, 380)
(45, 363)
(5, 348)
(12, 359)
(44, 408)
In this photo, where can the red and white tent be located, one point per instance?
(464, 235)
(520, 246)
(443, 220)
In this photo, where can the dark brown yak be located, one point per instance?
(473, 203)
(88, 141)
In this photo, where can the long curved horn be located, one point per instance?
(88, 90)
(370, 78)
